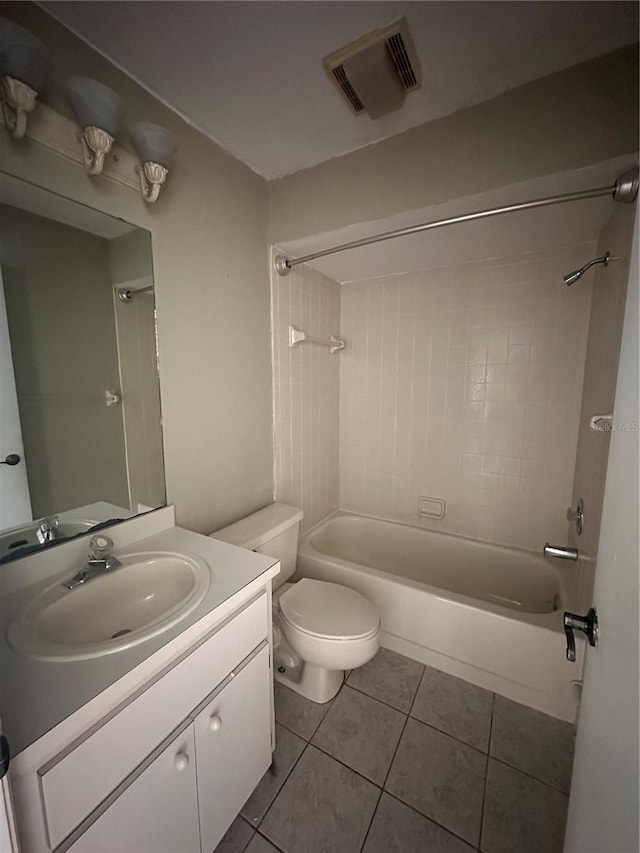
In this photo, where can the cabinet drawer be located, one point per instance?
(157, 813)
(233, 747)
(77, 780)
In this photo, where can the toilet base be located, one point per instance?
(313, 682)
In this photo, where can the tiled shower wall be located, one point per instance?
(464, 383)
(306, 389)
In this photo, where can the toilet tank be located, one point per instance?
(273, 531)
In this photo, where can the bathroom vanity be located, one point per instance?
(154, 746)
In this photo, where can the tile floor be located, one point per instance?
(407, 759)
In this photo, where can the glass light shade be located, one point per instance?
(94, 104)
(153, 143)
(22, 55)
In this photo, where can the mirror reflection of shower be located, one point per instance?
(573, 276)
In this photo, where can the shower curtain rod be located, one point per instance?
(625, 189)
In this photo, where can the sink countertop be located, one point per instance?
(37, 695)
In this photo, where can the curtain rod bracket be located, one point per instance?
(626, 186)
(281, 265)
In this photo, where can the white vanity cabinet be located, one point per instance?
(171, 767)
(157, 812)
(227, 745)
(231, 748)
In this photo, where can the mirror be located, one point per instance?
(80, 424)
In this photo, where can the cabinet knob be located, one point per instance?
(181, 761)
(215, 722)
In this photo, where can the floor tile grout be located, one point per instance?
(395, 752)
(419, 685)
(429, 818)
(377, 698)
(373, 817)
(530, 776)
(275, 797)
(450, 736)
(266, 837)
(486, 773)
(357, 772)
(302, 713)
(487, 754)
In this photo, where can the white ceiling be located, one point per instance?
(545, 228)
(250, 76)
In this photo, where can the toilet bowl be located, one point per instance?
(331, 628)
(320, 629)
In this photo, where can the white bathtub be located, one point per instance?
(485, 613)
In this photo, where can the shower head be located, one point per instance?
(573, 276)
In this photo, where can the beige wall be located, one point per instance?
(582, 115)
(598, 394)
(212, 289)
(131, 257)
(463, 383)
(60, 312)
(306, 387)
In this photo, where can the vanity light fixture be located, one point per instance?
(98, 110)
(155, 147)
(24, 62)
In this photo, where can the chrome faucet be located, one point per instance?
(99, 562)
(48, 530)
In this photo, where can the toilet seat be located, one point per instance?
(328, 611)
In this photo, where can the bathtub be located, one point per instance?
(489, 614)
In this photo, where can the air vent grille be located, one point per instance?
(349, 92)
(375, 72)
(401, 61)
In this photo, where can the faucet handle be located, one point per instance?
(588, 624)
(100, 546)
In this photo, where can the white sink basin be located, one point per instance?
(149, 593)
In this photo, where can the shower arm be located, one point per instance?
(602, 260)
(625, 189)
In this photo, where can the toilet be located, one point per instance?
(320, 629)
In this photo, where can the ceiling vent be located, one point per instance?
(375, 72)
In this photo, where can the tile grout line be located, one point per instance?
(395, 752)
(386, 776)
(377, 699)
(529, 776)
(395, 708)
(383, 789)
(486, 771)
(415, 695)
(417, 811)
(308, 741)
(275, 796)
(373, 816)
(342, 764)
(429, 818)
(268, 809)
(268, 840)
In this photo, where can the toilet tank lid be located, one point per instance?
(260, 527)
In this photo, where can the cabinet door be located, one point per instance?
(157, 813)
(233, 747)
